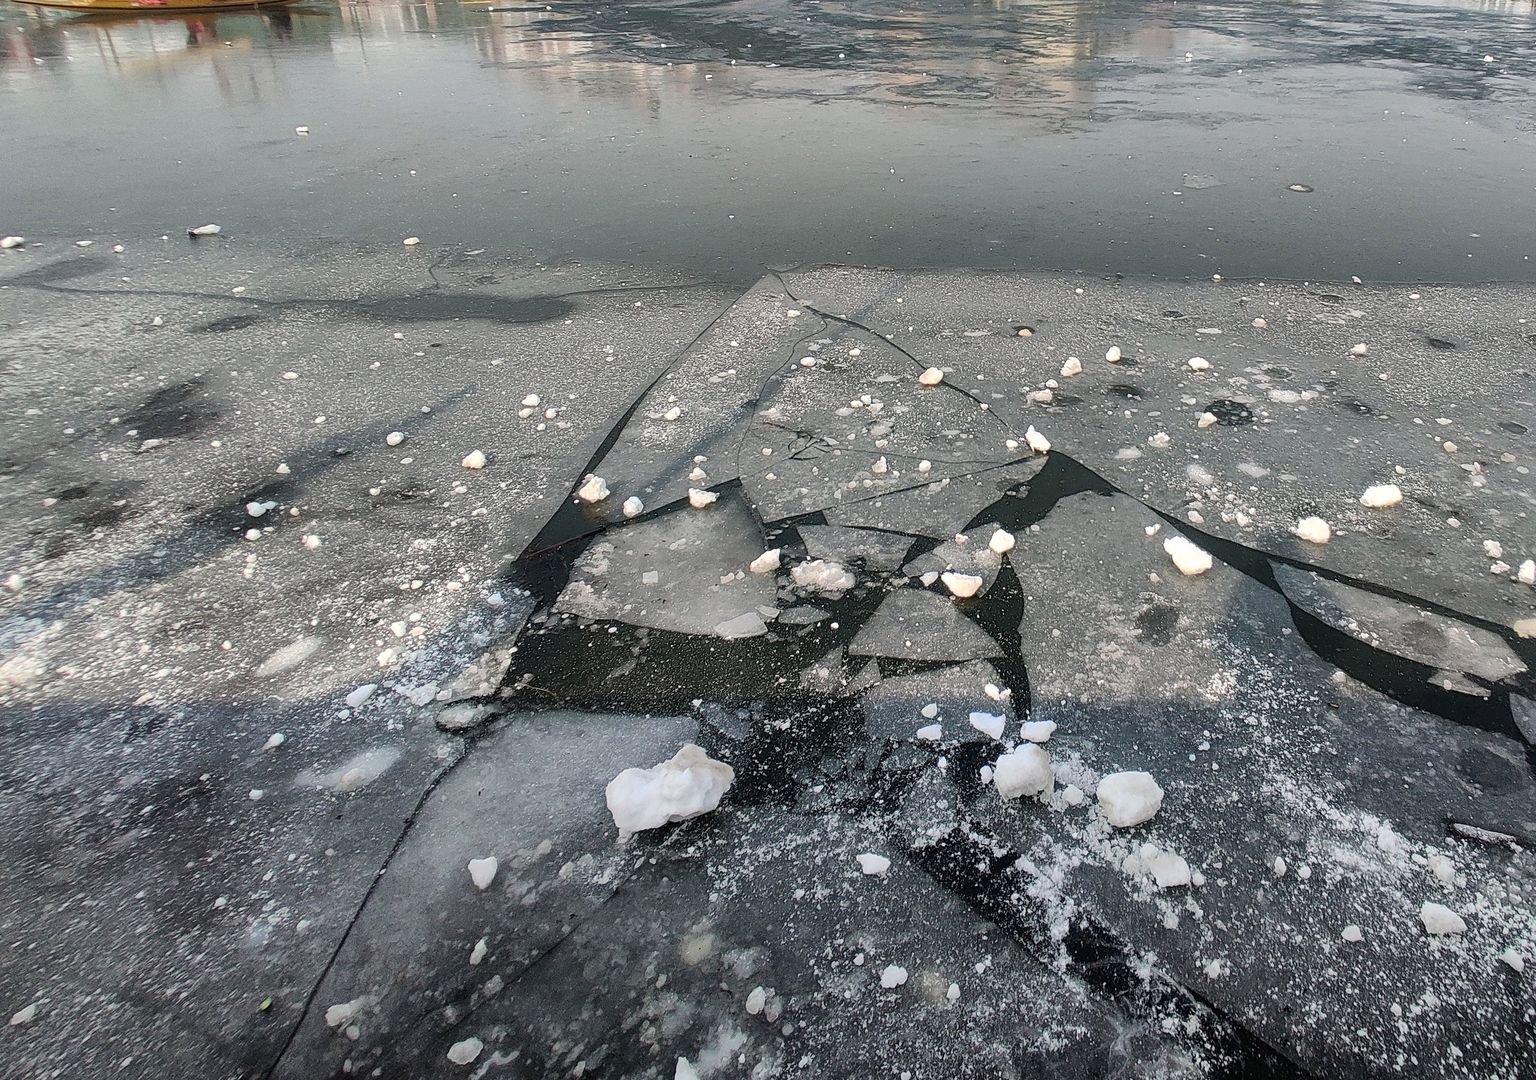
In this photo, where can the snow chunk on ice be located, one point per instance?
(1440, 920)
(756, 1000)
(962, 585)
(594, 489)
(1190, 558)
(475, 459)
(1037, 442)
(1024, 771)
(698, 498)
(931, 733)
(872, 864)
(685, 1070)
(931, 377)
(822, 576)
(688, 784)
(1072, 367)
(1314, 530)
(1002, 542)
(337, 1015)
(893, 976)
(1113, 354)
(361, 694)
(1168, 870)
(747, 624)
(24, 1015)
(465, 1051)
(1378, 496)
(1039, 731)
(766, 563)
(633, 507)
(1509, 956)
(1351, 933)
(483, 871)
(988, 724)
(1129, 798)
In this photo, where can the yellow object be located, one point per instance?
(152, 6)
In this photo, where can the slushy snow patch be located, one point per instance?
(594, 489)
(465, 1051)
(766, 563)
(822, 576)
(893, 976)
(1440, 920)
(1378, 496)
(872, 864)
(688, 784)
(1314, 530)
(961, 585)
(698, 498)
(1190, 558)
(1024, 771)
(475, 459)
(1129, 798)
(988, 724)
(483, 871)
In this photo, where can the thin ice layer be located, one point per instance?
(915, 624)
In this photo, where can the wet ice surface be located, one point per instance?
(1341, 731)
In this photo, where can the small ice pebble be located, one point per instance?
(633, 507)
(1441, 920)
(595, 489)
(893, 976)
(1037, 442)
(1187, 556)
(766, 563)
(931, 377)
(1378, 496)
(482, 871)
(961, 585)
(394, 438)
(1002, 542)
(475, 459)
(872, 864)
(1073, 366)
(1113, 355)
(698, 498)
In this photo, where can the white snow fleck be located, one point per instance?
(593, 489)
(672, 414)
(893, 976)
(1381, 495)
(274, 740)
(205, 230)
(9, 242)
(483, 871)
(465, 1051)
(1314, 530)
(688, 784)
(1187, 556)
(1129, 798)
(698, 498)
(872, 864)
(1025, 770)
(477, 954)
(1441, 920)
(337, 1015)
(475, 459)
(989, 724)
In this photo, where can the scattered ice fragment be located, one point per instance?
(1129, 798)
(1159, 439)
(1199, 363)
(593, 489)
(1167, 869)
(9, 242)
(1002, 542)
(483, 871)
(893, 976)
(1279, 867)
(1441, 920)
(1509, 956)
(1378, 496)
(274, 740)
(930, 710)
(672, 414)
(931, 733)
(1442, 867)
(1072, 367)
(698, 498)
(924, 465)
(1527, 572)
(747, 624)
(337, 1015)
(688, 784)
(1038, 731)
(302, 129)
(475, 459)
(465, 1051)
(931, 377)
(1187, 556)
(205, 230)
(962, 585)
(29, 1013)
(952, 995)
(633, 507)
(1206, 420)
(872, 864)
(1113, 355)
(1037, 442)
(756, 1000)
(477, 954)
(766, 563)
(360, 695)
(1351, 933)
(1072, 795)
(1026, 770)
(989, 724)
(1493, 549)
(1360, 349)
(411, 241)
(1260, 324)
(822, 576)
(394, 438)
(685, 1071)
(1314, 530)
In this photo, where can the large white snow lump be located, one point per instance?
(1023, 771)
(1129, 798)
(1190, 558)
(687, 785)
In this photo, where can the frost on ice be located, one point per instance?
(688, 784)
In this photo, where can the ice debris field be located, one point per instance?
(498, 669)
